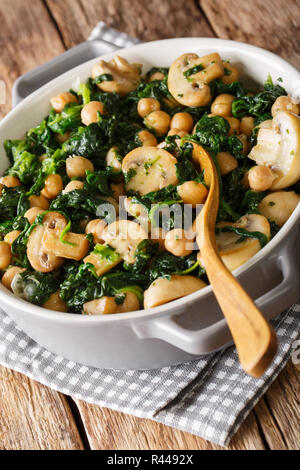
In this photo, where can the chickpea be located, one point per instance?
(9, 275)
(260, 178)
(12, 236)
(227, 162)
(159, 121)
(244, 139)
(113, 160)
(39, 201)
(232, 74)
(107, 305)
(89, 112)
(234, 125)
(130, 303)
(104, 306)
(192, 192)
(247, 125)
(222, 106)
(178, 132)
(61, 139)
(182, 121)
(245, 180)
(60, 101)
(118, 190)
(53, 186)
(176, 243)
(156, 76)
(285, 103)
(77, 166)
(10, 181)
(96, 227)
(158, 235)
(55, 303)
(32, 214)
(147, 106)
(147, 139)
(72, 186)
(279, 206)
(5, 255)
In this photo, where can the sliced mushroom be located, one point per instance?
(233, 252)
(190, 75)
(139, 211)
(279, 206)
(74, 245)
(164, 290)
(124, 236)
(38, 257)
(113, 160)
(103, 259)
(149, 169)
(125, 76)
(279, 149)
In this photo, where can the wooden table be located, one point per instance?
(32, 31)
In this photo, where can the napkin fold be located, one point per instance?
(209, 397)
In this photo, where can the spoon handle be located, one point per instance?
(254, 337)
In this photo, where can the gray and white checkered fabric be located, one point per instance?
(209, 397)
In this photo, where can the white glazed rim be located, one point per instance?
(219, 44)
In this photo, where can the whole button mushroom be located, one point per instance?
(189, 77)
(278, 147)
(125, 77)
(164, 290)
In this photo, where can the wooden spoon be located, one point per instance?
(254, 337)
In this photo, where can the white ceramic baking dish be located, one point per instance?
(188, 327)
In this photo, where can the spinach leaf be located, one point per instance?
(144, 252)
(87, 142)
(243, 234)
(104, 77)
(212, 133)
(260, 104)
(37, 287)
(9, 201)
(80, 285)
(166, 264)
(68, 119)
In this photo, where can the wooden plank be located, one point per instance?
(142, 19)
(269, 427)
(111, 430)
(28, 38)
(283, 399)
(33, 417)
(271, 24)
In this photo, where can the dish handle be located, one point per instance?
(217, 336)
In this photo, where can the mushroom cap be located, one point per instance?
(193, 89)
(278, 147)
(124, 236)
(126, 77)
(164, 290)
(152, 169)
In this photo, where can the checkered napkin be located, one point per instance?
(209, 397)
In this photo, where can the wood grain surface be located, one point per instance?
(271, 24)
(32, 31)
